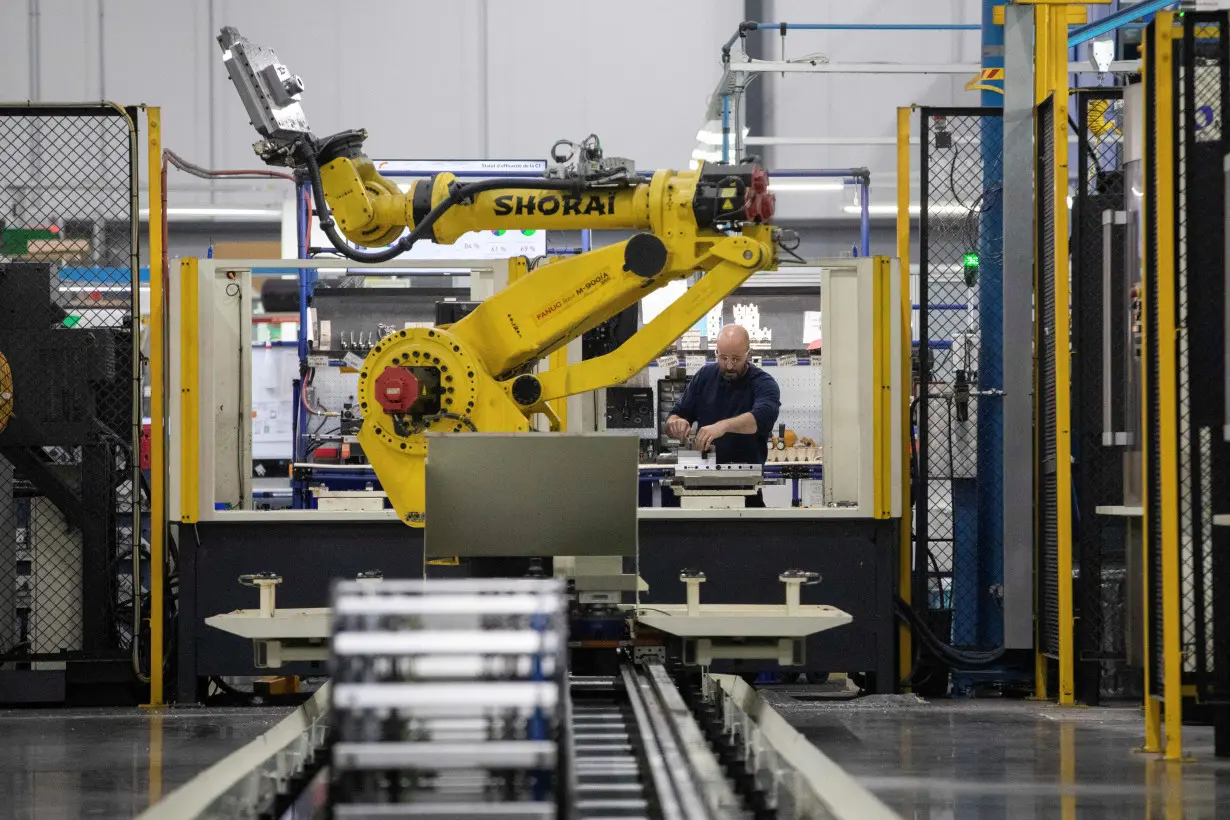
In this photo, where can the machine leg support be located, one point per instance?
(1221, 731)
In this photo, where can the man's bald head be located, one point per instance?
(735, 336)
(733, 346)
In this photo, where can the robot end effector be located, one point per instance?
(270, 94)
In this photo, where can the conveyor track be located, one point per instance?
(608, 776)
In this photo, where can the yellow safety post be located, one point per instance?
(882, 380)
(189, 386)
(905, 649)
(157, 386)
(1168, 423)
(1042, 52)
(1058, 65)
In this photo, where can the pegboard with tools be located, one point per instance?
(631, 408)
(330, 390)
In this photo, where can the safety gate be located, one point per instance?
(1201, 98)
(1187, 457)
(1099, 401)
(958, 415)
(71, 490)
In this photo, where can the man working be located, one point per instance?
(734, 402)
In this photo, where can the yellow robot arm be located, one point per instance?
(476, 374)
(473, 375)
(372, 212)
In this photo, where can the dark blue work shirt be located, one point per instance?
(709, 399)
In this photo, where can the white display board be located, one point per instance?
(274, 369)
(474, 245)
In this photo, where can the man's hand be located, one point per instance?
(677, 427)
(705, 436)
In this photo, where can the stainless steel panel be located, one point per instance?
(528, 494)
(1018, 254)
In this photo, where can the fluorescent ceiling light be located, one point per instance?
(878, 209)
(939, 209)
(714, 136)
(219, 213)
(789, 185)
(92, 288)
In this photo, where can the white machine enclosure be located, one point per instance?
(224, 356)
(847, 303)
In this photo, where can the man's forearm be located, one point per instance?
(743, 423)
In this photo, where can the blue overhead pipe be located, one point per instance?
(1116, 20)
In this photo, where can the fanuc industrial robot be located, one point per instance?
(474, 375)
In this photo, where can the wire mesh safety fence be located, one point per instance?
(1048, 483)
(1201, 60)
(1158, 86)
(958, 413)
(1098, 308)
(70, 486)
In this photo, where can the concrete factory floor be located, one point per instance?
(1010, 759)
(67, 763)
(945, 759)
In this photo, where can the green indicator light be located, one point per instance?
(71, 320)
(971, 268)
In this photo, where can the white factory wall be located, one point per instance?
(465, 78)
(863, 107)
(472, 78)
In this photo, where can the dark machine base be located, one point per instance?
(857, 559)
(742, 558)
(80, 683)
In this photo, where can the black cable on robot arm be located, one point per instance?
(458, 195)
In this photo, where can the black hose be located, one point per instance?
(956, 658)
(459, 194)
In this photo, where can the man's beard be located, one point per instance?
(729, 375)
